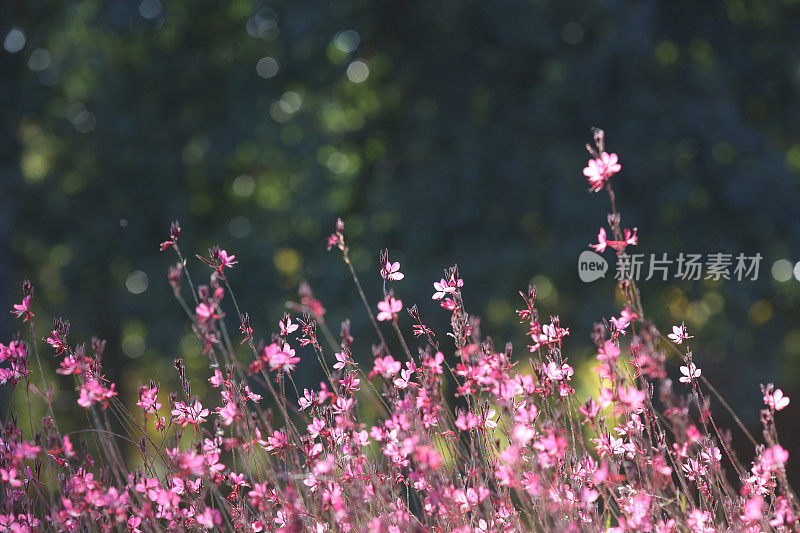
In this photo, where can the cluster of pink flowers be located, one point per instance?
(453, 435)
(15, 355)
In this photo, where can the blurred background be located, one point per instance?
(446, 131)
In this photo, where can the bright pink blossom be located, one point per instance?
(385, 366)
(92, 392)
(698, 522)
(226, 260)
(679, 334)
(391, 271)
(776, 400)
(287, 326)
(600, 169)
(690, 372)
(602, 242)
(23, 309)
(626, 317)
(229, 413)
(148, 399)
(217, 379)
(280, 357)
(193, 413)
(389, 308)
(209, 518)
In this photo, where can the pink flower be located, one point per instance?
(205, 312)
(209, 518)
(697, 522)
(148, 399)
(421, 329)
(679, 334)
(776, 400)
(211, 462)
(174, 232)
(773, 457)
(435, 363)
(229, 413)
(316, 427)
(277, 442)
(471, 498)
(712, 455)
(600, 247)
(82, 481)
(23, 309)
(385, 366)
(467, 421)
(226, 260)
(307, 400)
(252, 396)
(631, 399)
(608, 352)
(237, 480)
(444, 287)
(549, 334)
(448, 304)
(16, 355)
(133, 524)
(590, 409)
(350, 383)
(403, 381)
(391, 271)
(389, 308)
(783, 514)
(690, 372)
(259, 494)
(333, 240)
(93, 392)
(631, 239)
(69, 365)
(343, 405)
(217, 379)
(490, 420)
(282, 358)
(193, 413)
(599, 170)
(56, 342)
(553, 446)
(337, 238)
(556, 373)
(341, 360)
(625, 318)
(66, 446)
(753, 510)
(552, 371)
(694, 469)
(608, 445)
(10, 476)
(287, 326)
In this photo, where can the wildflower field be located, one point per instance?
(444, 431)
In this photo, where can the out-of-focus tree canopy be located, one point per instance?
(445, 131)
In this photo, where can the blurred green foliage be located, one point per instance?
(446, 131)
